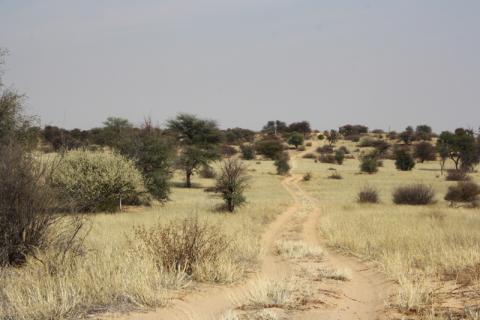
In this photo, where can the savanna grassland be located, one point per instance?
(117, 272)
(431, 252)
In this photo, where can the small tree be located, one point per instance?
(423, 132)
(332, 137)
(404, 160)
(460, 147)
(232, 182)
(407, 136)
(296, 139)
(269, 147)
(282, 163)
(425, 151)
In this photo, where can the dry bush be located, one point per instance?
(325, 149)
(415, 194)
(457, 175)
(232, 182)
(464, 191)
(327, 158)
(207, 172)
(308, 144)
(297, 249)
(309, 156)
(335, 175)
(307, 176)
(368, 195)
(28, 225)
(182, 245)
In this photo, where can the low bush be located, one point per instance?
(464, 191)
(335, 175)
(416, 194)
(307, 176)
(327, 158)
(326, 149)
(308, 144)
(227, 150)
(369, 163)
(344, 149)
(248, 151)
(457, 175)
(97, 181)
(368, 195)
(269, 147)
(301, 148)
(207, 172)
(353, 137)
(404, 160)
(425, 151)
(232, 182)
(184, 245)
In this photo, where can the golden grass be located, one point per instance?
(420, 247)
(117, 273)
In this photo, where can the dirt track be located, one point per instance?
(362, 297)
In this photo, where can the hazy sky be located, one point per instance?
(243, 62)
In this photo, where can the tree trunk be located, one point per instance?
(188, 182)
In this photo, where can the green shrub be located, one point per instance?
(416, 194)
(404, 160)
(97, 181)
(339, 156)
(307, 176)
(248, 151)
(369, 163)
(282, 164)
(269, 147)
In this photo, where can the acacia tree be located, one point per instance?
(198, 140)
(295, 139)
(332, 137)
(460, 147)
(232, 182)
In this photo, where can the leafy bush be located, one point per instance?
(425, 151)
(282, 163)
(416, 194)
(339, 156)
(184, 245)
(369, 163)
(327, 158)
(27, 201)
(344, 149)
(457, 175)
(296, 139)
(301, 148)
(232, 182)
(368, 195)
(269, 147)
(97, 181)
(248, 151)
(464, 191)
(404, 160)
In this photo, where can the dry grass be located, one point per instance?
(421, 247)
(119, 272)
(297, 249)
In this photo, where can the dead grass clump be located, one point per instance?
(297, 249)
(368, 195)
(181, 245)
(307, 176)
(335, 175)
(415, 194)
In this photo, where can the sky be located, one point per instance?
(386, 64)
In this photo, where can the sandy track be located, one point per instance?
(361, 298)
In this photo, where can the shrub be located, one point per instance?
(232, 182)
(27, 222)
(404, 160)
(353, 137)
(416, 194)
(325, 149)
(457, 175)
(248, 151)
(207, 172)
(227, 150)
(308, 144)
(369, 163)
(464, 191)
(97, 181)
(296, 139)
(335, 175)
(339, 156)
(344, 149)
(320, 137)
(301, 148)
(327, 158)
(269, 147)
(183, 245)
(282, 163)
(368, 195)
(425, 151)
(307, 176)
